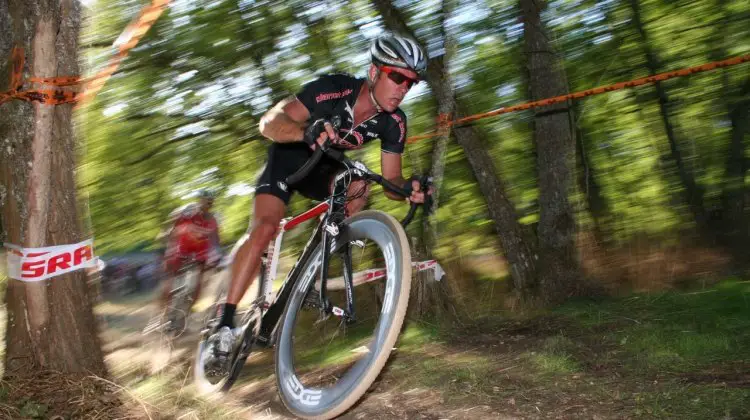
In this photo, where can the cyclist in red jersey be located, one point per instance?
(194, 234)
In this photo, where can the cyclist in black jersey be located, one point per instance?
(368, 110)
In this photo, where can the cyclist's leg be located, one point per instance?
(171, 265)
(271, 198)
(208, 259)
(201, 278)
(267, 214)
(357, 197)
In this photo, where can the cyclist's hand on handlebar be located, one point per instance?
(318, 132)
(417, 190)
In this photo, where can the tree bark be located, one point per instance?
(515, 239)
(589, 186)
(736, 226)
(50, 323)
(553, 136)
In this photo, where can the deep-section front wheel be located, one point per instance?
(325, 364)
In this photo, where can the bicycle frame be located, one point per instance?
(327, 229)
(274, 309)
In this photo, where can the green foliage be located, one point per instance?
(182, 113)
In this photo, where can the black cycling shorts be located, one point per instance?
(284, 159)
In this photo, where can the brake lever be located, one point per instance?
(336, 124)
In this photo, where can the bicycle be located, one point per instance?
(169, 323)
(174, 318)
(271, 322)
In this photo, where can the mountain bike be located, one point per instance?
(173, 320)
(169, 323)
(317, 379)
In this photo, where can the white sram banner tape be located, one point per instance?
(362, 277)
(36, 264)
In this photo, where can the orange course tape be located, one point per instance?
(124, 43)
(594, 91)
(127, 41)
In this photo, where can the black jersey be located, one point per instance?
(335, 95)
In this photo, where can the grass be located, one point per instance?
(667, 355)
(555, 356)
(170, 395)
(675, 332)
(693, 402)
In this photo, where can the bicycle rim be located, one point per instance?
(320, 379)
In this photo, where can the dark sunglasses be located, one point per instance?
(399, 78)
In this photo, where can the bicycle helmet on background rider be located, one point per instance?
(206, 194)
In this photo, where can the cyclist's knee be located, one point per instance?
(355, 206)
(358, 193)
(264, 229)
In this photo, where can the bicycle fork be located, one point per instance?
(326, 308)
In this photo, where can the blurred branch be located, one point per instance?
(170, 128)
(737, 18)
(185, 123)
(166, 144)
(100, 44)
(138, 117)
(394, 17)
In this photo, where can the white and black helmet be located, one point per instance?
(398, 51)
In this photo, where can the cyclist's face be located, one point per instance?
(392, 85)
(206, 204)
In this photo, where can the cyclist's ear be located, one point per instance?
(373, 73)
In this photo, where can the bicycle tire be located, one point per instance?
(326, 403)
(181, 301)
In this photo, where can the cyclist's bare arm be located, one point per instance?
(390, 167)
(214, 237)
(286, 121)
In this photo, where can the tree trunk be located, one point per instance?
(50, 323)
(553, 136)
(736, 226)
(596, 204)
(693, 191)
(516, 240)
